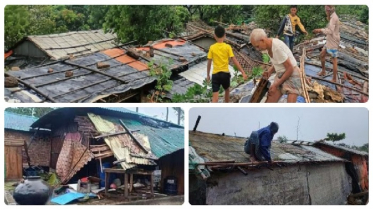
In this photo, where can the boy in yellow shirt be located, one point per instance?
(287, 27)
(220, 53)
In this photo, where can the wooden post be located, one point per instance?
(197, 122)
(130, 134)
(152, 185)
(106, 182)
(131, 182)
(126, 185)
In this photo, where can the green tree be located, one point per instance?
(96, 15)
(282, 139)
(16, 22)
(365, 147)
(335, 137)
(222, 13)
(68, 19)
(42, 20)
(31, 111)
(364, 15)
(143, 23)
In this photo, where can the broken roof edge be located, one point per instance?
(114, 110)
(339, 147)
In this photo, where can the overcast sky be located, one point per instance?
(314, 123)
(158, 112)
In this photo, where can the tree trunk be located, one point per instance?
(178, 115)
(167, 115)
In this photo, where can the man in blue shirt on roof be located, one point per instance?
(259, 143)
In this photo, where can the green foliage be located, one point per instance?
(237, 79)
(21, 21)
(335, 137)
(364, 15)
(257, 71)
(163, 73)
(144, 23)
(282, 139)
(365, 147)
(31, 111)
(222, 13)
(270, 16)
(195, 94)
(266, 58)
(96, 15)
(16, 22)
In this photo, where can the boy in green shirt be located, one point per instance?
(220, 53)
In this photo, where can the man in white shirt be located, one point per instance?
(287, 80)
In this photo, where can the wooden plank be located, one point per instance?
(99, 149)
(98, 72)
(114, 134)
(133, 137)
(335, 83)
(260, 91)
(33, 88)
(303, 77)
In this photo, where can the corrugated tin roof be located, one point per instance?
(60, 46)
(84, 85)
(197, 73)
(163, 140)
(354, 151)
(121, 145)
(116, 111)
(214, 147)
(18, 122)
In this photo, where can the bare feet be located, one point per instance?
(334, 80)
(252, 159)
(321, 73)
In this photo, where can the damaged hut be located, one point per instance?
(118, 146)
(222, 173)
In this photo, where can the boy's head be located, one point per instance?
(219, 32)
(293, 10)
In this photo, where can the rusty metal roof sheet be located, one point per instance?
(60, 46)
(122, 145)
(346, 149)
(214, 147)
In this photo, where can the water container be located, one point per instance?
(170, 185)
(102, 174)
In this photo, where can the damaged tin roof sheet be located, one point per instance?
(122, 145)
(18, 122)
(60, 46)
(60, 113)
(214, 147)
(85, 85)
(339, 147)
(124, 74)
(163, 140)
